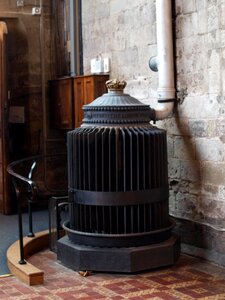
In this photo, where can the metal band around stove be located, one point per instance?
(119, 198)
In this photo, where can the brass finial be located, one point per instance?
(116, 84)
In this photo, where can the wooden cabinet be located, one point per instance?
(78, 100)
(61, 103)
(87, 89)
(69, 94)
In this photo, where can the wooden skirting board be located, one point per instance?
(27, 272)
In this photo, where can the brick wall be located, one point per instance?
(125, 32)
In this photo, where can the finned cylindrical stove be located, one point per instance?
(118, 189)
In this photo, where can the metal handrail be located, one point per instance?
(32, 193)
(17, 175)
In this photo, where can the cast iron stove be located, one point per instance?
(118, 189)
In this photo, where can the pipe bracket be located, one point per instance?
(153, 63)
(166, 100)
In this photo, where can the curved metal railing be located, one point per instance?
(31, 191)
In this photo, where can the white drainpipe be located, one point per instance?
(165, 63)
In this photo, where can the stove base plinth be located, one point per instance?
(122, 260)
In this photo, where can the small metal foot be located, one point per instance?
(22, 262)
(31, 234)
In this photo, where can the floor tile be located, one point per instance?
(190, 278)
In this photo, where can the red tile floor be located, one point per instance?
(190, 278)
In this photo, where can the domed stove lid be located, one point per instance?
(117, 108)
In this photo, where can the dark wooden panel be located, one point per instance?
(6, 205)
(61, 103)
(86, 89)
(78, 100)
(68, 95)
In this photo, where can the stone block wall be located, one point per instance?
(125, 31)
(32, 61)
(25, 67)
(23, 81)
